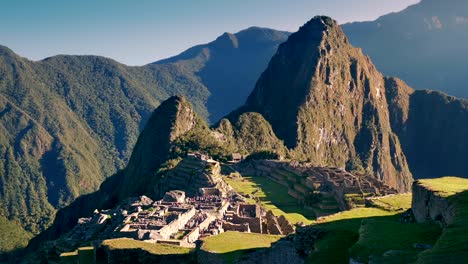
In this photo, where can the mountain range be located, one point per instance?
(68, 122)
(425, 44)
(341, 112)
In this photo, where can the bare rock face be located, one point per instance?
(427, 206)
(327, 101)
(174, 196)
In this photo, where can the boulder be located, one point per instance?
(175, 196)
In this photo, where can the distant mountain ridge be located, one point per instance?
(230, 65)
(425, 44)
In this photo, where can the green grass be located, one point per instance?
(393, 202)
(381, 235)
(232, 245)
(344, 228)
(446, 186)
(342, 232)
(155, 249)
(273, 196)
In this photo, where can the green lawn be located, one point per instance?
(156, 249)
(446, 186)
(273, 196)
(231, 244)
(381, 235)
(344, 230)
(394, 202)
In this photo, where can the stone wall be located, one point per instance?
(236, 227)
(255, 224)
(428, 206)
(192, 236)
(179, 223)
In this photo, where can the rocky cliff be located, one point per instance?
(428, 206)
(327, 101)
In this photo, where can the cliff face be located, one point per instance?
(432, 128)
(326, 100)
(428, 206)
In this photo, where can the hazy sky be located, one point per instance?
(137, 32)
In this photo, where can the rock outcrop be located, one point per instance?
(326, 100)
(427, 206)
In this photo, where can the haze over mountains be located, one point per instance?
(425, 45)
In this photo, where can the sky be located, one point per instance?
(137, 32)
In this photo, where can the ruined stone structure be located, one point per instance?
(302, 180)
(179, 218)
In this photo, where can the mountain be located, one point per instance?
(326, 100)
(68, 122)
(425, 44)
(170, 125)
(432, 128)
(230, 65)
(319, 100)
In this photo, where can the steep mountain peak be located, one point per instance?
(326, 101)
(226, 40)
(171, 119)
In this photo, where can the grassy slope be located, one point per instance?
(361, 232)
(452, 246)
(273, 196)
(233, 244)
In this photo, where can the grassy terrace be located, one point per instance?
(394, 202)
(452, 246)
(231, 245)
(155, 249)
(446, 186)
(363, 232)
(273, 196)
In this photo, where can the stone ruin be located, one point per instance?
(347, 189)
(181, 218)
